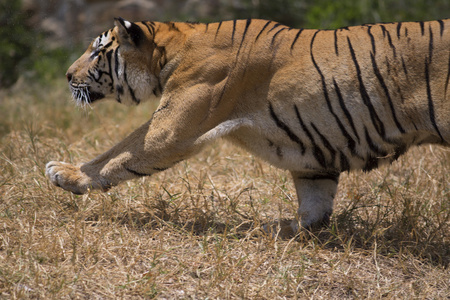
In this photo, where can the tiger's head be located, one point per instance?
(117, 65)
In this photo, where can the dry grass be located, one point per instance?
(194, 231)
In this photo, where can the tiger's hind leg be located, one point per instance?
(315, 194)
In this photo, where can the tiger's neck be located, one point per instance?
(168, 40)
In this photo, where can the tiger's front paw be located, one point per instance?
(70, 178)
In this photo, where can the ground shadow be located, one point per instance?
(343, 231)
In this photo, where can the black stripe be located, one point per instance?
(277, 149)
(347, 115)
(107, 45)
(302, 124)
(430, 101)
(379, 126)
(371, 163)
(234, 64)
(274, 26)
(265, 26)
(388, 65)
(317, 152)
(160, 169)
(133, 97)
(448, 78)
(191, 24)
(275, 35)
(279, 152)
(247, 25)
(108, 58)
(160, 88)
(206, 28)
(373, 147)
(119, 89)
(130, 90)
(296, 38)
(327, 144)
(394, 50)
(151, 30)
(345, 165)
(372, 39)
(383, 28)
(400, 150)
(386, 92)
(336, 48)
(162, 107)
(441, 25)
(172, 26)
(430, 46)
(351, 142)
(388, 35)
(136, 173)
(399, 27)
(92, 76)
(422, 27)
(218, 28)
(286, 129)
(404, 67)
(233, 32)
(321, 176)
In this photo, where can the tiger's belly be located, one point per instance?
(280, 151)
(296, 151)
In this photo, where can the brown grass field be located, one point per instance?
(194, 231)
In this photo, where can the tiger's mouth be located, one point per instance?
(83, 94)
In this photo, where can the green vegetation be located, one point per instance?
(24, 53)
(16, 42)
(23, 50)
(330, 14)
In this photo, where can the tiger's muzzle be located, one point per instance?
(81, 92)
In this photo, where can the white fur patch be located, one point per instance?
(127, 24)
(223, 129)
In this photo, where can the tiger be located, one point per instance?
(316, 103)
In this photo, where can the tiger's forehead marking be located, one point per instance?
(102, 40)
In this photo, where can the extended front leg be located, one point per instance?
(153, 147)
(315, 192)
(175, 132)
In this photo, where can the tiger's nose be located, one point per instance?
(69, 76)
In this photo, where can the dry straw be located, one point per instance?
(194, 231)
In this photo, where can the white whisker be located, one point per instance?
(80, 94)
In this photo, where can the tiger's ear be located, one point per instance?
(129, 32)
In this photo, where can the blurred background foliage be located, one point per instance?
(25, 52)
(15, 42)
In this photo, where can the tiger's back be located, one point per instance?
(314, 102)
(346, 99)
